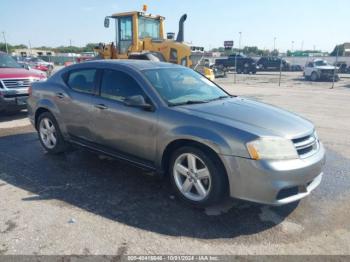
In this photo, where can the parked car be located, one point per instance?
(245, 64)
(21, 60)
(342, 67)
(14, 83)
(170, 119)
(219, 71)
(320, 70)
(39, 64)
(273, 63)
(26, 63)
(296, 68)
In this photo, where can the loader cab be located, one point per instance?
(134, 27)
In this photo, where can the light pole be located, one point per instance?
(3, 34)
(274, 43)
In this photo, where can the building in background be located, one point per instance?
(32, 52)
(346, 49)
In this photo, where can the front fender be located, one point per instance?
(201, 135)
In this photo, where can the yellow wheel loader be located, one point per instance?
(141, 36)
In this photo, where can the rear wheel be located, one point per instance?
(50, 135)
(197, 177)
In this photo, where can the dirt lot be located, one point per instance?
(79, 203)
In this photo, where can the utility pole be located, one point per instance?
(274, 43)
(7, 49)
(70, 42)
(239, 51)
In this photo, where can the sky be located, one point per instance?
(309, 24)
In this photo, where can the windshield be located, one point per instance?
(148, 27)
(321, 63)
(183, 86)
(7, 61)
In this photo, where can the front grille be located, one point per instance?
(327, 73)
(15, 95)
(306, 146)
(17, 83)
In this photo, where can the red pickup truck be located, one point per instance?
(15, 81)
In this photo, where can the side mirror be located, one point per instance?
(106, 23)
(138, 101)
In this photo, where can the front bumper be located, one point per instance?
(274, 182)
(13, 103)
(329, 76)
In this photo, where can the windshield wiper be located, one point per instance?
(220, 98)
(188, 102)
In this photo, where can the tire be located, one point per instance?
(206, 185)
(314, 76)
(50, 135)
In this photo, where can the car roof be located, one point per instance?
(135, 64)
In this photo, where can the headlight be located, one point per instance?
(272, 148)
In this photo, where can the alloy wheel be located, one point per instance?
(192, 177)
(47, 132)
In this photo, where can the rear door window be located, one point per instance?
(82, 80)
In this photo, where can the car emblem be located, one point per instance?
(20, 83)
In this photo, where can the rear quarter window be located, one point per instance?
(82, 80)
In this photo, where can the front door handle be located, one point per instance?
(101, 106)
(60, 95)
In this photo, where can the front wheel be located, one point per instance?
(50, 135)
(314, 76)
(198, 177)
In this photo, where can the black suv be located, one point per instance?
(245, 64)
(272, 63)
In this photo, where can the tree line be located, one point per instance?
(61, 49)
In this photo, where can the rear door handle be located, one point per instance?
(60, 95)
(101, 106)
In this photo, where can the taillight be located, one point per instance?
(30, 90)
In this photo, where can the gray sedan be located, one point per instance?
(175, 122)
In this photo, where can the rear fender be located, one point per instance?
(53, 109)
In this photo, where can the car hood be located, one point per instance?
(254, 117)
(19, 73)
(328, 67)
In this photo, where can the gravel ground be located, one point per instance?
(80, 203)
